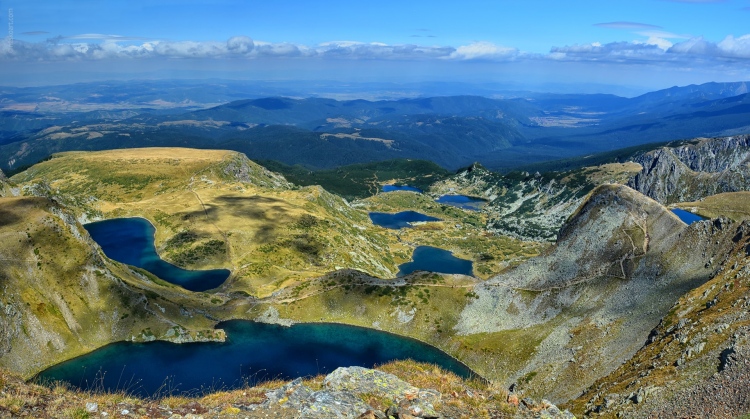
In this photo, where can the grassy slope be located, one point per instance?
(733, 205)
(62, 298)
(199, 197)
(280, 237)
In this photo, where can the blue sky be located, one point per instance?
(641, 43)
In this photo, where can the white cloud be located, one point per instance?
(484, 51)
(240, 45)
(658, 47)
(655, 40)
(735, 47)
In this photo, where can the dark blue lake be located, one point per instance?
(399, 220)
(131, 241)
(462, 201)
(393, 188)
(253, 351)
(433, 259)
(687, 217)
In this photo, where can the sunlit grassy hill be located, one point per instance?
(218, 209)
(61, 297)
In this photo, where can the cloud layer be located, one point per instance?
(657, 48)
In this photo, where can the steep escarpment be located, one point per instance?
(695, 362)
(694, 170)
(61, 297)
(580, 310)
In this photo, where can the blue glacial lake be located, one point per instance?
(399, 220)
(131, 241)
(687, 217)
(393, 188)
(433, 259)
(253, 351)
(462, 201)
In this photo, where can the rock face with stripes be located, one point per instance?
(694, 170)
(580, 310)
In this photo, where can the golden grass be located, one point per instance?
(733, 205)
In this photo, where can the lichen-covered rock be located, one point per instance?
(333, 405)
(293, 394)
(360, 380)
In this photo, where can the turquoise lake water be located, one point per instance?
(399, 220)
(686, 216)
(393, 188)
(462, 201)
(131, 241)
(253, 351)
(433, 259)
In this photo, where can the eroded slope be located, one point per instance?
(578, 311)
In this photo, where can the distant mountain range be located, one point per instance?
(453, 131)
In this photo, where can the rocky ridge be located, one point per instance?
(694, 169)
(695, 362)
(580, 310)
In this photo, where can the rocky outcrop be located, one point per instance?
(241, 168)
(345, 388)
(588, 305)
(341, 396)
(694, 170)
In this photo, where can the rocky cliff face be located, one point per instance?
(61, 297)
(694, 170)
(588, 305)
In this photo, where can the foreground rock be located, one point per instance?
(345, 391)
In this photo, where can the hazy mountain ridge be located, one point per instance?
(325, 133)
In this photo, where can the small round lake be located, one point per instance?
(686, 216)
(433, 259)
(131, 241)
(462, 201)
(399, 220)
(253, 351)
(394, 188)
